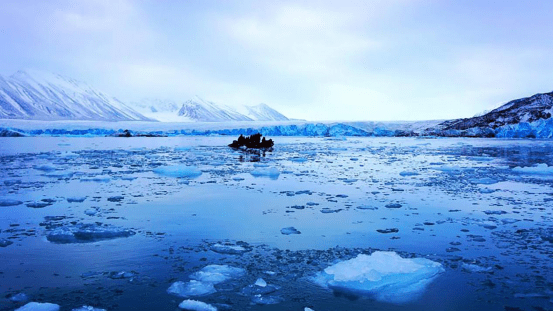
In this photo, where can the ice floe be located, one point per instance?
(39, 306)
(384, 274)
(203, 282)
(271, 173)
(178, 171)
(194, 305)
(86, 233)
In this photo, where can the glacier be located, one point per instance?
(540, 129)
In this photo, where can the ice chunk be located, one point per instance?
(538, 169)
(20, 297)
(408, 173)
(178, 171)
(45, 168)
(260, 299)
(476, 268)
(231, 249)
(87, 308)
(203, 281)
(90, 211)
(76, 199)
(86, 233)
(38, 204)
(191, 289)
(272, 173)
(384, 274)
(5, 242)
(38, 306)
(260, 282)
(194, 305)
(9, 202)
(289, 230)
(217, 273)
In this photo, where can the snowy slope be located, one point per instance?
(526, 110)
(262, 112)
(198, 109)
(159, 109)
(38, 95)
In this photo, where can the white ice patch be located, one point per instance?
(194, 305)
(203, 282)
(383, 274)
(191, 289)
(272, 173)
(217, 273)
(38, 306)
(178, 171)
(538, 169)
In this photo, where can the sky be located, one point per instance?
(314, 60)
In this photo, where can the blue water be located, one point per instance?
(459, 203)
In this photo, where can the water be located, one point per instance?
(457, 202)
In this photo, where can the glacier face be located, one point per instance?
(37, 95)
(541, 129)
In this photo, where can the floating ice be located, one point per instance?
(476, 268)
(38, 306)
(194, 305)
(20, 297)
(203, 281)
(367, 207)
(90, 211)
(191, 289)
(216, 274)
(484, 181)
(38, 204)
(538, 169)
(87, 308)
(272, 173)
(384, 274)
(260, 282)
(289, 230)
(45, 168)
(5, 242)
(86, 233)
(178, 171)
(260, 299)
(9, 202)
(76, 199)
(408, 173)
(231, 249)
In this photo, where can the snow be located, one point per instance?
(194, 305)
(38, 306)
(178, 171)
(385, 274)
(33, 94)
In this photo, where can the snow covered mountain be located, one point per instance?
(198, 109)
(525, 110)
(158, 109)
(262, 112)
(38, 95)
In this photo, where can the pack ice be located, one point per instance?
(178, 171)
(383, 274)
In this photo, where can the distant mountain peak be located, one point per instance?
(35, 94)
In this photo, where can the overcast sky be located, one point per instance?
(317, 60)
